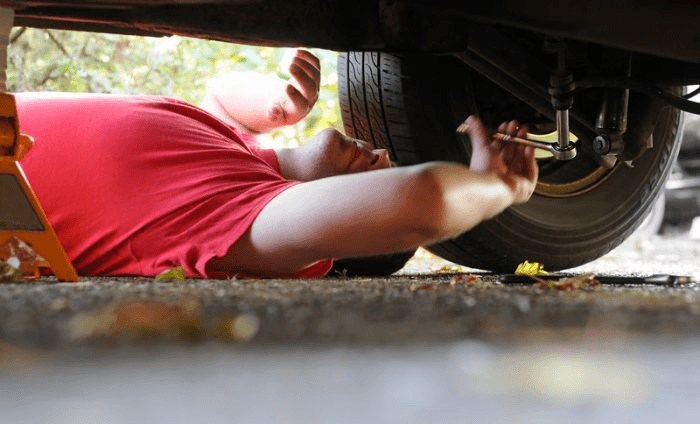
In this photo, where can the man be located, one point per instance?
(137, 185)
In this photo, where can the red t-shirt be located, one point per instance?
(135, 185)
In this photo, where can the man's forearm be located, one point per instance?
(468, 197)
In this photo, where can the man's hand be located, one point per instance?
(257, 103)
(513, 163)
(296, 103)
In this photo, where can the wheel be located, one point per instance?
(412, 105)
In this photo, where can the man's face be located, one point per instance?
(332, 153)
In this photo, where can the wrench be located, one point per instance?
(569, 152)
(560, 154)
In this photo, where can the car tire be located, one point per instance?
(653, 224)
(411, 105)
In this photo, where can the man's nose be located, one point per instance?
(381, 159)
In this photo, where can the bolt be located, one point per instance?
(601, 145)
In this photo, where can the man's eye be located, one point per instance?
(358, 151)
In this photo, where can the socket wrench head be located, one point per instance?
(566, 153)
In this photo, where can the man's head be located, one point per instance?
(331, 153)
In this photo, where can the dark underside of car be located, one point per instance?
(411, 71)
(385, 25)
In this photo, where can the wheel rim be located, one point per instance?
(575, 187)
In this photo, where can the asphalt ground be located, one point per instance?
(427, 301)
(434, 343)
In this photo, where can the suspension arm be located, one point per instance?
(641, 86)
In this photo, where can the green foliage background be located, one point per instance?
(53, 60)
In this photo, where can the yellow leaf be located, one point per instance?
(447, 269)
(530, 268)
(177, 273)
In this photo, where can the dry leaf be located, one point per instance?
(530, 268)
(421, 286)
(570, 283)
(29, 260)
(141, 320)
(465, 279)
(146, 319)
(471, 281)
(10, 270)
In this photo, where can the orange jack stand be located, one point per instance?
(21, 215)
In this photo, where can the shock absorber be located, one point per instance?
(561, 89)
(611, 122)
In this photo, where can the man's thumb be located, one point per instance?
(476, 130)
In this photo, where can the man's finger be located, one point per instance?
(509, 153)
(309, 86)
(477, 132)
(313, 73)
(512, 127)
(532, 168)
(299, 103)
(308, 57)
(312, 67)
(522, 132)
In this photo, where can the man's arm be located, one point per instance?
(255, 103)
(366, 214)
(382, 211)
